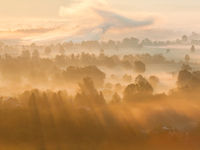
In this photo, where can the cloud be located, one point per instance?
(112, 19)
(34, 30)
(18, 35)
(82, 20)
(98, 18)
(82, 7)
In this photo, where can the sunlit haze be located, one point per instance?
(99, 75)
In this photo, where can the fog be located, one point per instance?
(128, 94)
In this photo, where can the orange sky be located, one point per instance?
(36, 20)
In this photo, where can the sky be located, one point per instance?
(54, 20)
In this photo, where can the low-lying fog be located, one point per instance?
(100, 95)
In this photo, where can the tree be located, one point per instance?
(35, 54)
(186, 67)
(88, 94)
(143, 85)
(167, 50)
(187, 58)
(192, 49)
(147, 42)
(116, 99)
(188, 80)
(139, 67)
(25, 54)
(141, 89)
(184, 38)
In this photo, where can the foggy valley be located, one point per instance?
(100, 95)
(99, 75)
